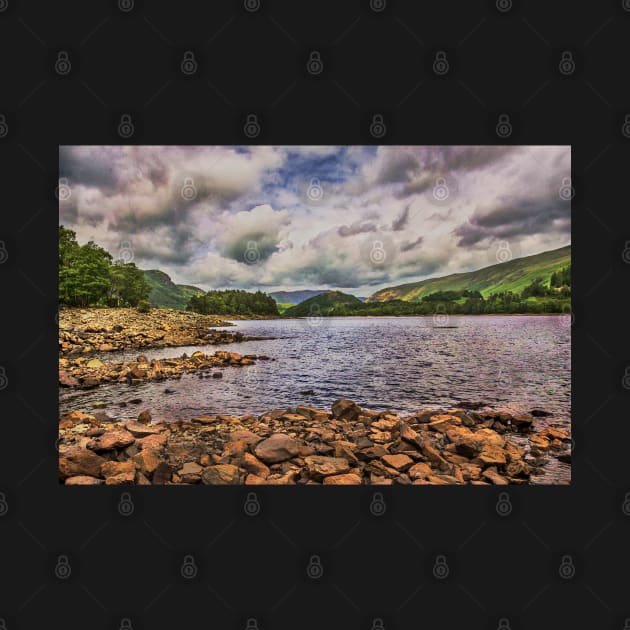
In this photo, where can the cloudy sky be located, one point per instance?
(283, 218)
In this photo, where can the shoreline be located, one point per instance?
(303, 445)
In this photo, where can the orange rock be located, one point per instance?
(348, 479)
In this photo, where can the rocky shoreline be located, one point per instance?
(85, 331)
(306, 446)
(86, 373)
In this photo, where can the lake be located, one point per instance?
(398, 363)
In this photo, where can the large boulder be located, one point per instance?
(80, 462)
(276, 448)
(344, 409)
(222, 474)
(319, 466)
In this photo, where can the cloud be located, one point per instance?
(249, 222)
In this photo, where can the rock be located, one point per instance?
(116, 438)
(111, 468)
(217, 374)
(222, 474)
(419, 471)
(433, 454)
(398, 462)
(564, 457)
(319, 466)
(277, 448)
(144, 416)
(349, 479)
(121, 479)
(67, 380)
(254, 466)
(539, 413)
(492, 475)
(554, 434)
(491, 455)
(522, 422)
(99, 404)
(83, 480)
(162, 474)
(254, 480)
(155, 442)
(135, 401)
(80, 463)
(443, 422)
(139, 430)
(344, 409)
(95, 363)
(101, 416)
(147, 460)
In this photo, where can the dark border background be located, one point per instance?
(377, 570)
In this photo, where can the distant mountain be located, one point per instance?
(513, 275)
(323, 304)
(165, 293)
(294, 297)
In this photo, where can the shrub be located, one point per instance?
(144, 306)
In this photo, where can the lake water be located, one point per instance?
(398, 363)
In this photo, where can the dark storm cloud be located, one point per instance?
(87, 172)
(358, 227)
(401, 221)
(515, 218)
(398, 169)
(408, 246)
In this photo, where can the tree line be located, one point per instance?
(89, 276)
(233, 302)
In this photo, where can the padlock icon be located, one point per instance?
(625, 506)
(315, 317)
(504, 504)
(4, 5)
(63, 192)
(252, 505)
(566, 192)
(125, 504)
(567, 63)
(441, 190)
(625, 128)
(626, 623)
(378, 128)
(252, 126)
(378, 506)
(62, 568)
(378, 5)
(566, 569)
(440, 317)
(378, 253)
(440, 63)
(251, 5)
(315, 191)
(4, 379)
(125, 624)
(189, 568)
(126, 5)
(378, 624)
(252, 624)
(440, 568)
(251, 254)
(3, 623)
(315, 65)
(189, 63)
(4, 128)
(4, 254)
(626, 378)
(626, 5)
(4, 506)
(625, 255)
(504, 5)
(504, 624)
(125, 128)
(504, 126)
(62, 64)
(504, 253)
(188, 191)
(314, 569)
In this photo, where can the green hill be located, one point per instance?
(295, 297)
(165, 293)
(513, 275)
(324, 304)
